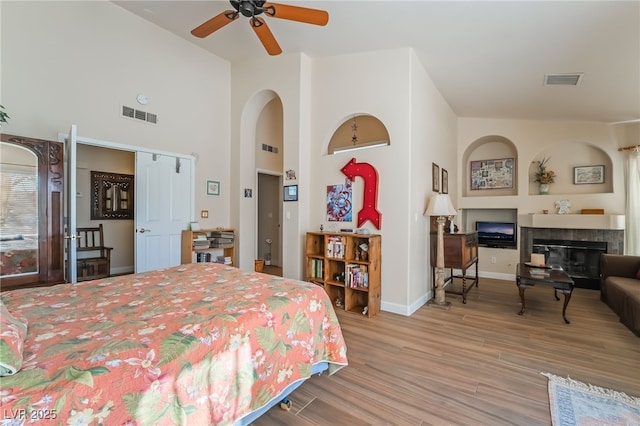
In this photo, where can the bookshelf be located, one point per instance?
(208, 245)
(348, 266)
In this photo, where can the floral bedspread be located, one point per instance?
(196, 344)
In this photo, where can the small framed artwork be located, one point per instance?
(291, 193)
(213, 187)
(445, 181)
(435, 172)
(588, 174)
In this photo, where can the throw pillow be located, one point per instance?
(13, 331)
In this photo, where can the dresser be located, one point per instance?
(460, 253)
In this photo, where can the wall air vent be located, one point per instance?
(573, 79)
(269, 148)
(137, 114)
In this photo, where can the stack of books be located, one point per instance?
(221, 239)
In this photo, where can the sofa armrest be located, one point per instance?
(619, 265)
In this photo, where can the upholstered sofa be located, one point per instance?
(620, 287)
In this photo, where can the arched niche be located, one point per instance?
(358, 131)
(563, 159)
(490, 148)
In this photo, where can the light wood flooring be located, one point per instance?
(475, 364)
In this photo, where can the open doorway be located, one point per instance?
(269, 215)
(118, 234)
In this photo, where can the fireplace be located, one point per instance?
(581, 263)
(580, 259)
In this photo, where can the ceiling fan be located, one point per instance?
(251, 9)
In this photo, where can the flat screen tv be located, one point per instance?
(496, 234)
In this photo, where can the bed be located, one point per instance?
(196, 344)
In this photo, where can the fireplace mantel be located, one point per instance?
(572, 221)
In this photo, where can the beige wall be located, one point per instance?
(73, 62)
(569, 144)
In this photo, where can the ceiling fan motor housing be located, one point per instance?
(249, 8)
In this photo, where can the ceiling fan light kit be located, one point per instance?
(251, 9)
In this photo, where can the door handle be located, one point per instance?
(142, 230)
(72, 237)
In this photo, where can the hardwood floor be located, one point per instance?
(475, 364)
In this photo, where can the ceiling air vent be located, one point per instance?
(563, 79)
(137, 114)
(128, 112)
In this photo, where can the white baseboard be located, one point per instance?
(498, 276)
(122, 270)
(405, 310)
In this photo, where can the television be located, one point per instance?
(496, 234)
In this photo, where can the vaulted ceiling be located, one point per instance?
(488, 58)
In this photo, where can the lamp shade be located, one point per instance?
(440, 205)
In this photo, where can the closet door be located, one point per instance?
(70, 148)
(164, 207)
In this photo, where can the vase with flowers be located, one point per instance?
(544, 177)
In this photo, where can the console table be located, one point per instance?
(460, 252)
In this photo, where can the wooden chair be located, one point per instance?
(94, 259)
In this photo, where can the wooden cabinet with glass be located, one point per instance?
(348, 266)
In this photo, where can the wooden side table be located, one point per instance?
(460, 252)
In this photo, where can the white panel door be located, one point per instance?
(71, 271)
(163, 209)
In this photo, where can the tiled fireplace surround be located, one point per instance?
(613, 237)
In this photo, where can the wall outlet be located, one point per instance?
(493, 259)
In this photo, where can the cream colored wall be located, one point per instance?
(433, 140)
(269, 131)
(71, 62)
(569, 144)
(249, 99)
(118, 234)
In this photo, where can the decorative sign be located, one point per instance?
(370, 197)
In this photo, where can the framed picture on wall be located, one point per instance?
(112, 196)
(445, 181)
(213, 187)
(435, 172)
(491, 174)
(291, 193)
(588, 174)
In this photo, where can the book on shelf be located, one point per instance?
(335, 247)
(222, 234)
(356, 275)
(317, 268)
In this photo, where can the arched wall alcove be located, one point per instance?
(246, 234)
(495, 161)
(358, 131)
(564, 158)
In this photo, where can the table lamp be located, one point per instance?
(440, 206)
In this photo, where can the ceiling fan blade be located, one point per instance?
(297, 13)
(266, 36)
(215, 23)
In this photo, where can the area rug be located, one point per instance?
(581, 404)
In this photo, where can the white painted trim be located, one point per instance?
(124, 147)
(404, 309)
(498, 276)
(123, 270)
